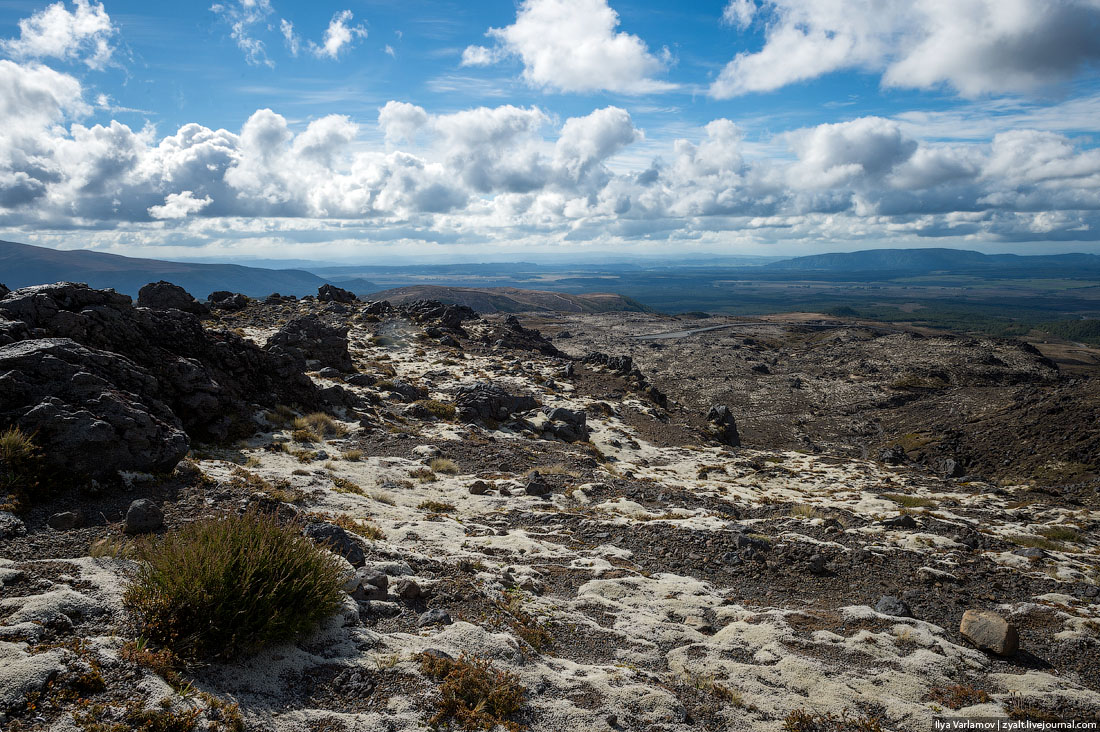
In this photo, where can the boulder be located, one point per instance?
(228, 301)
(93, 413)
(990, 632)
(11, 525)
(435, 616)
(890, 605)
(380, 307)
(723, 425)
(434, 312)
(484, 402)
(337, 540)
(510, 334)
(166, 296)
(309, 338)
(332, 293)
(566, 424)
(4, 290)
(142, 517)
(65, 520)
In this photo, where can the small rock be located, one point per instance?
(426, 451)
(11, 525)
(367, 589)
(890, 605)
(479, 488)
(328, 373)
(990, 632)
(435, 616)
(381, 609)
(337, 540)
(65, 520)
(436, 653)
(902, 521)
(142, 517)
(407, 589)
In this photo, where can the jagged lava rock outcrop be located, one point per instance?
(109, 362)
(166, 296)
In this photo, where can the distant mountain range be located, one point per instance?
(22, 265)
(513, 300)
(931, 260)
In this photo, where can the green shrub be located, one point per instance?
(438, 409)
(220, 588)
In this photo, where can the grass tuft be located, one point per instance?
(909, 501)
(20, 466)
(343, 485)
(443, 465)
(957, 696)
(221, 588)
(438, 409)
(473, 693)
(436, 507)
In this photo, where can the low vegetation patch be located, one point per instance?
(353, 456)
(801, 720)
(443, 465)
(1059, 533)
(223, 587)
(343, 485)
(320, 424)
(1037, 542)
(473, 693)
(910, 501)
(438, 409)
(436, 507)
(424, 475)
(957, 696)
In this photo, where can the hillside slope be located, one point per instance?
(22, 265)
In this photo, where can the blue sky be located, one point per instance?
(359, 130)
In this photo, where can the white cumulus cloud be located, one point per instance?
(974, 47)
(179, 206)
(83, 34)
(574, 46)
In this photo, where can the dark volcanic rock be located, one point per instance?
(484, 401)
(310, 338)
(381, 307)
(338, 540)
(166, 296)
(332, 293)
(4, 290)
(510, 334)
(433, 311)
(229, 301)
(92, 412)
(723, 425)
(142, 517)
(210, 379)
(566, 424)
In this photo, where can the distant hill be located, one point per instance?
(22, 265)
(930, 260)
(513, 300)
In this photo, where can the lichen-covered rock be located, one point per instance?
(166, 296)
(311, 339)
